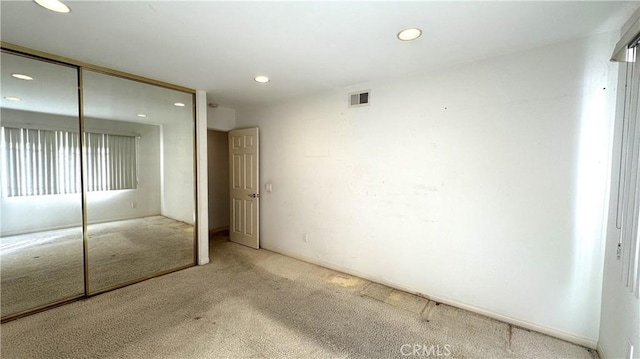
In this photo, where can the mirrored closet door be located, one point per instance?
(97, 185)
(139, 156)
(41, 244)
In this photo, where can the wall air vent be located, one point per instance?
(361, 98)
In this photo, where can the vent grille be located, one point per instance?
(361, 98)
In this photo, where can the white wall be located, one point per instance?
(38, 213)
(221, 118)
(482, 185)
(178, 192)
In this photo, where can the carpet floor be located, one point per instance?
(47, 267)
(258, 304)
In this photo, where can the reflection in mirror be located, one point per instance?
(41, 245)
(140, 180)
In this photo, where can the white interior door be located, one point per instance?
(244, 192)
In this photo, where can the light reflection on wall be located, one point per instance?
(593, 162)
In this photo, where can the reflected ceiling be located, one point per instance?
(54, 90)
(115, 98)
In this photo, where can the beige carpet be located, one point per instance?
(47, 267)
(258, 304)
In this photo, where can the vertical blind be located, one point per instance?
(628, 211)
(43, 162)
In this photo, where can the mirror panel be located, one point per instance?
(41, 241)
(139, 158)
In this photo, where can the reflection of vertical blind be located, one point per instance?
(41, 162)
(38, 162)
(111, 162)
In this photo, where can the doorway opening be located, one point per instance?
(218, 183)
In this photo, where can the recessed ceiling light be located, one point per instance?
(141, 115)
(261, 79)
(53, 5)
(179, 104)
(22, 77)
(409, 34)
(11, 98)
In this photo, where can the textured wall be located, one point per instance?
(483, 184)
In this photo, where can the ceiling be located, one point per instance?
(304, 47)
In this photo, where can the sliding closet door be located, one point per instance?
(139, 159)
(41, 249)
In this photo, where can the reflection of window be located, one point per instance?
(111, 162)
(41, 162)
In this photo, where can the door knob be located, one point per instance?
(254, 195)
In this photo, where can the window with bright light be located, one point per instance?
(39, 162)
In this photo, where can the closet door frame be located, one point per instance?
(79, 67)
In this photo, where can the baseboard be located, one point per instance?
(600, 352)
(38, 230)
(67, 226)
(218, 229)
(591, 344)
(203, 261)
